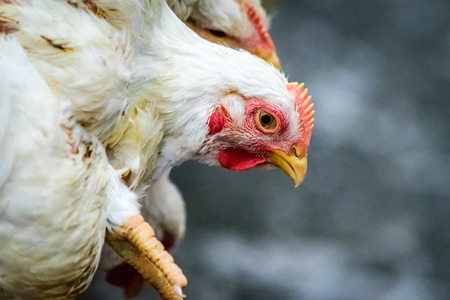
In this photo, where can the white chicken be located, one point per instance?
(239, 24)
(155, 94)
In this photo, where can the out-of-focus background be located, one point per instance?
(372, 219)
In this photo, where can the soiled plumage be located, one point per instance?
(55, 184)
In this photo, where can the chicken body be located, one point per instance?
(55, 187)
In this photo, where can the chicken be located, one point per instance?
(155, 94)
(240, 24)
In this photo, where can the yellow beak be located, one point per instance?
(294, 166)
(275, 61)
(270, 57)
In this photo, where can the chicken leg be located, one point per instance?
(136, 243)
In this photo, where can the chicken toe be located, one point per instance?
(136, 243)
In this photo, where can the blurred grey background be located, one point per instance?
(371, 220)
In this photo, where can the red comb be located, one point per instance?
(255, 18)
(304, 108)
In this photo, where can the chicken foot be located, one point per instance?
(136, 243)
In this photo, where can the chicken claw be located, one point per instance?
(136, 243)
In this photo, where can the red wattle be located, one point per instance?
(239, 160)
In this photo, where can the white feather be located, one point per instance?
(168, 86)
(145, 86)
(54, 190)
(228, 16)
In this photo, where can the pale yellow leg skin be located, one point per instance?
(136, 243)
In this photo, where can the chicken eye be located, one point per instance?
(268, 123)
(217, 33)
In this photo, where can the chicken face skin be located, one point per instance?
(246, 133)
